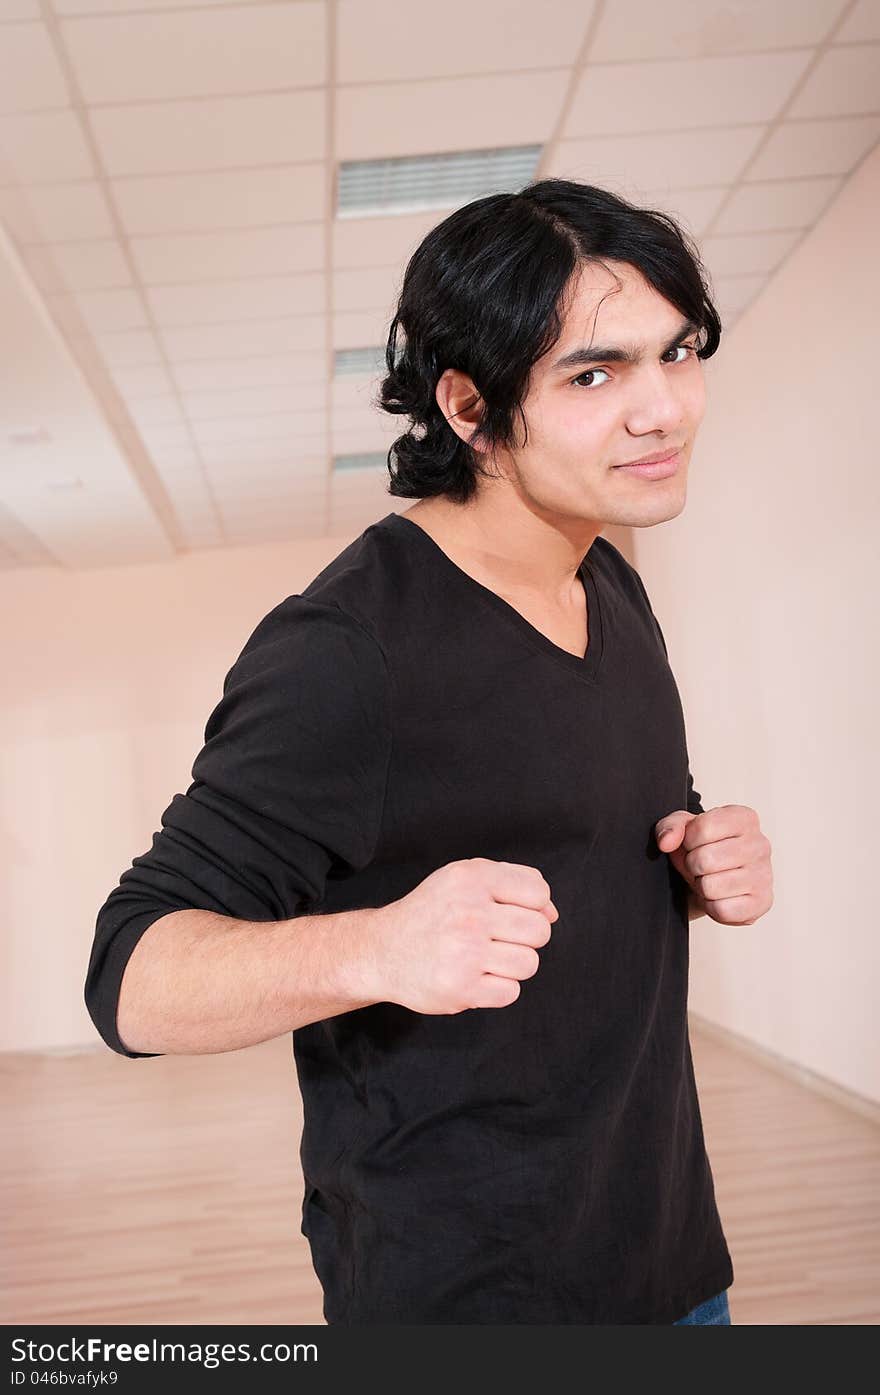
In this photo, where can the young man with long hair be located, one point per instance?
(443, 826)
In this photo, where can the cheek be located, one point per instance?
(581, 424)
(694, 396)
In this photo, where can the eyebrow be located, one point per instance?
(618, 353)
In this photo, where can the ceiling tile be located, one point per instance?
(492, 36)
(254, 299)
(157, 437)
(139, 381)
(361, 417)
(197, 53)
(862, 22)
(41, 147)
(356, 495)
(43, 270)
(668, 159)
(353, 394)
(30, 74)
(177, 459)
(56, 212)
(815, 147)
(279, 528)
(129, 347)
(693, 208)
(785, 203)
(844, 80)
(304, 471)
(156, 411)
(83, 266)
(277, 128)
(692, 28)
(272, 516)
(616, 98)
(221, 375)
(256, 401)
(115, 7)
(222, 455)
(213, 201)
(284, 334)
(726, 256)
(377, 432)
(243, 478)
(415, 118)
(289, 425)
(367, 288)
(358, 329)
(103, 310)
(215, 256)
(734, 293)
(382, 241)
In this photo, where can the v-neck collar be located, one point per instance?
(585, 666)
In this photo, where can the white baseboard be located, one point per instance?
(860, 1104)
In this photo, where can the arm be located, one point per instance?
(216, 930)
(199, 982)
(693, 799)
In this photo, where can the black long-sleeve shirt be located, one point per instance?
(538, 1163)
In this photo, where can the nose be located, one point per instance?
(656, 405)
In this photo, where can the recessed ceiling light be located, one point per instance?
(28, 436)
(410, 182)
(74, 483)
(369, 360)
(365, 460)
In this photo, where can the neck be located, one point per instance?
(514, 550)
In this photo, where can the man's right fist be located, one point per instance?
(463, 938)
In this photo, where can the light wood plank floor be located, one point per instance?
(170, 1190)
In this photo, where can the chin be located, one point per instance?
(655, 511)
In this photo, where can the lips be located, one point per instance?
(657, 459)
(653, 469)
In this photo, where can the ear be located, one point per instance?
(459, 401)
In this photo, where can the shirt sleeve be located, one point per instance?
(694, 799)
(288, 786)
(693, 804)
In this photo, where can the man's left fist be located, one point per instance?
(724, 858)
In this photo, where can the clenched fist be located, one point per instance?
(464, 937)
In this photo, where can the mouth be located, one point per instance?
(654, 467)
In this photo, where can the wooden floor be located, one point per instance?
(170, 1191)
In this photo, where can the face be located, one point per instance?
(587, 418)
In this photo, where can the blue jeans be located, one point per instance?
(715, 1312)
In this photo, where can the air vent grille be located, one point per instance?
(411, 182)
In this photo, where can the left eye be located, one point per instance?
(682, 348)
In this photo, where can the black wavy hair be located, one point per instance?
(485, 292)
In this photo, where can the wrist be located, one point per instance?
(364, 966)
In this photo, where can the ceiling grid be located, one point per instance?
(195, 304)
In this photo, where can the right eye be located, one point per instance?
(590, 373)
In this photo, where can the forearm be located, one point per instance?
(197, 982)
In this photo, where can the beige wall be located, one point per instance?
(766, 588)
(111, 676)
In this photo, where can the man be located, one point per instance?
(443, 826)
